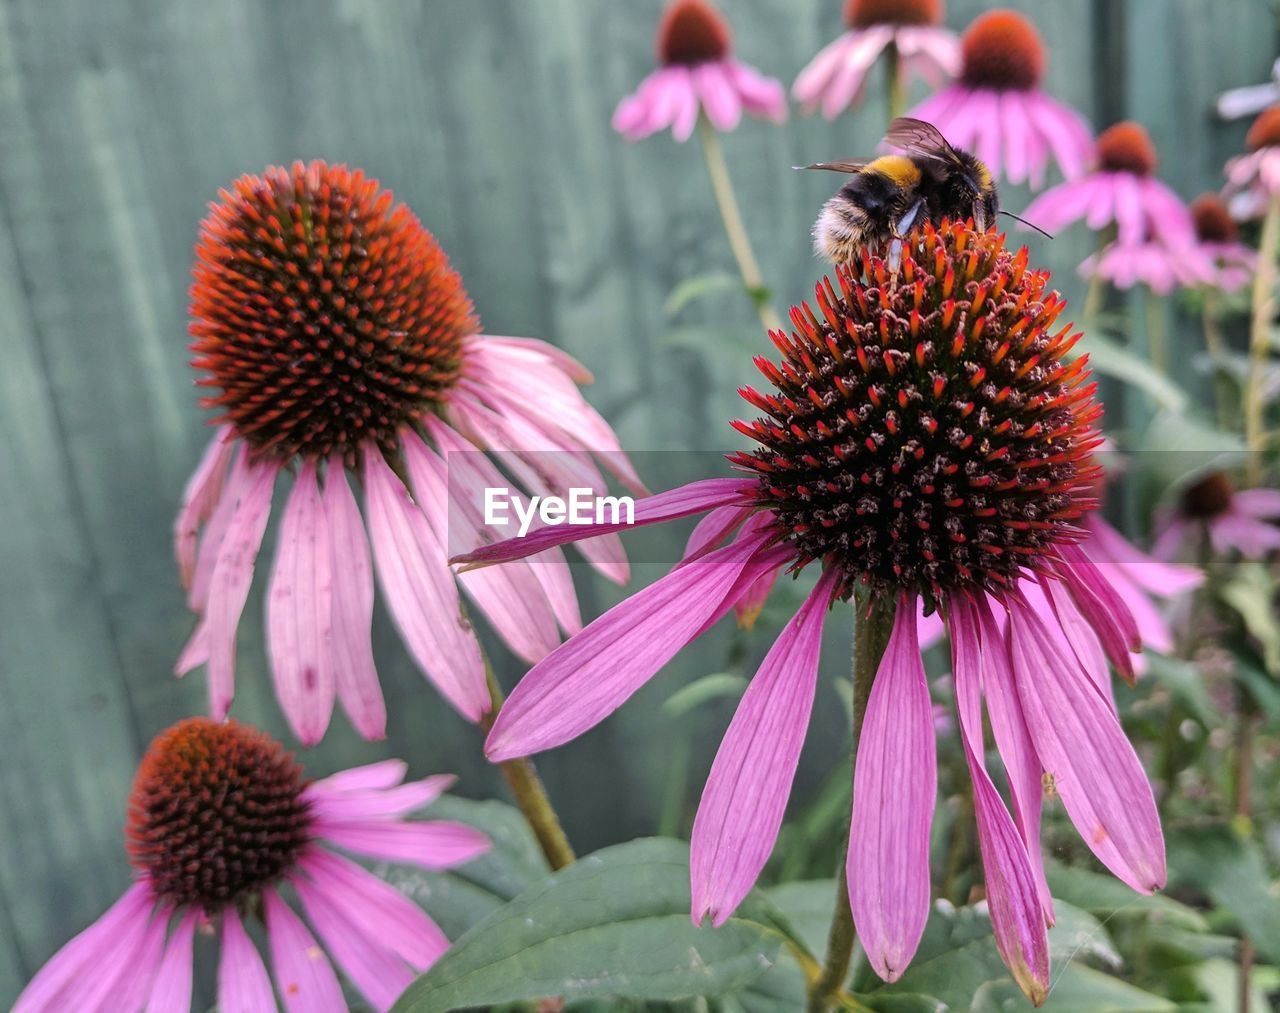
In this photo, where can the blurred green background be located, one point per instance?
(120, 119)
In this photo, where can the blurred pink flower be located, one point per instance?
(1236, 520)
(356, 348)
(220, 818)
(836, 78)
(1219, 240)
(1253, 179)
(1159, 267)
(697, 74)
(997, 110)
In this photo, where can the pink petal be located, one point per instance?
(1119, 554)
(711, 532)
(243, 985)
(1018, 133)
(365, 805)
(237, 481)
(816, 77)
(355, 673)
(1065, 131)
(761, 96)
(420, 590)
(894, 788)
(749, 605)
(1253, 538)
(556, 355)
(586, 679)
(232, 576)
(431, 844)
(719, 100)
(302, 972)
(1079, 741)
(1104, 610)
(199, 499)
(746, 792)
(382, 774)
(687, 107)
(171, 990)
(1073, 633)
(300, 610)
(1264, 504)
(859, 57)
(929, 628)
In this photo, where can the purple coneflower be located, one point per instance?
(221, 819)
(925, 440)
(997, 110)
(910, 30)
(335, 336)
(1234, 519)
(697, 73)
(1253, 179)
(1219, 238)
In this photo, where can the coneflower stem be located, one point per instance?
(1215, 343)
(1264, 283)
(895, 83)
(530, 795)
(722, 185)
(1157, 333)
(872, 625)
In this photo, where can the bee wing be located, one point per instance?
(916, 137)
(838, 166)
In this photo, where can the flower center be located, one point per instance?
(1265, 130)
(324, 314)
(1126, 147)
(863, 13)
(692, 32)
(216, 813)
(1208, 497)
(1002, 50)
(926, 433)
(1213, 221)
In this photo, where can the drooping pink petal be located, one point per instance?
(243, 984)
(814, 79)
(929, 628)
(1264, 504)
(1053, 603)
(761, 96)
(171, 990)
(431, 844)
(687, 106)
(300, 611)
(1149, 573)
(1252, 537)
(859, 55)
(894, 788)
(199, 498)
(302, 972)
(371, 805)
(711, 532)
(719, 100)
(1080, 742)
(590, 676)
(355, 674)
(229, 587)
(561, 359)
(420, 590)
(1104, 609)
(1012, 891)
(382, 774)
(135, 973)
(238, 480)
(751, 603)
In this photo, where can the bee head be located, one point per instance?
(979, 191)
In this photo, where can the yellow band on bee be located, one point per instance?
(898, 168)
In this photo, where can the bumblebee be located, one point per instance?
(889, 196)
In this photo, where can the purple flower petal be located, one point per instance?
(243, 985)
(430, 844)
(303, 974)
(171, 990)
(199, 499)
(719, 99)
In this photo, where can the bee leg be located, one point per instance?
(901, 230)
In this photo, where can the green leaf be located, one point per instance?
(1251, 591)
(1106, 897)
(1220, 981)
(808, 906)
(903, 1004)
(1073, 989)
(700, 691)
(1187, 683)
(699, 287)
(1231, 870)
(1110, 359)
(615, 923)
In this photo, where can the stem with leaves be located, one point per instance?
(1264, 284)
(872, 624)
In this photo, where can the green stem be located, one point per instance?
(895, 83)
(1157, 332)
(527, 788)
(1215, 342)
(1096, 290)
(872, 624)
(722, 185)
(1264, 283)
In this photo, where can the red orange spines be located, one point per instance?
(1126, 147)
(216, 813)
(864, 13)
(323, 315)
(917, 441)
(692, 32)
(1002, 50)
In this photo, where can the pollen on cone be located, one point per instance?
(863, 13)
(692, 32)
(1126, 147)
(1265, 130)
(323, 314)
(1002, 50)
(1213, 220)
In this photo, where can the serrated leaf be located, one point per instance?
(615, 923)
(700, 691)
(1105, 897)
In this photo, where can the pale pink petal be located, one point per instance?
(1170, 538)
(1264, 504)
(992, 145)
(929, 628)
(1018, 134)
(243, 985)
(746, 792)
(365, 805)
(1072, 632)
(719, 100)
(1253, 538)
(355, 673)
(752, 601)
(1111, 552)
(238, 480)
(1065, 131)
(300, 610)
(431, 844)
(1104, 609)
(171, 990)
(302, 972)
(687, 107)
(382, 774)
(199, 499)
(711, 532)
(420, 590)
(815, 78)
(562, 360)
(859, 57)
(586, 679)
(894, 788)
(1080, 742)
(939, 47)
(232, 577)
(761, 96)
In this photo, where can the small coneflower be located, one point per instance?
(697, 73)
(1218, 236)
(334, 336)
(1253, 179)
(1234, 520)
(911, 29)
(997, 109)
(925, 438)
(221, 822)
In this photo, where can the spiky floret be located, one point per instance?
(322, 312)
(1264, 132)
(1213, 220)
(1126, 147)
(692, 32)
(1002, 50)
(864, 13)
(927, 432)
(216, 813)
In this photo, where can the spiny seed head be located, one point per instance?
(1213, 220)
(926, 432)
(1002, 50)
(1126, 147)
(1208, 497)
(864, 13)
(216, 813)
(692, 32)
(322, 312)
(1265, 130)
